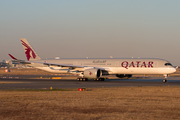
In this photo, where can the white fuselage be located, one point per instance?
(112, 66)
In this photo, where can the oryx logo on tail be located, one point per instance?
(28, 50)
(30, 53)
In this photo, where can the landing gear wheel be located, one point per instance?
(164, 81)
(84, 79)
(99, 79)
(102, 79)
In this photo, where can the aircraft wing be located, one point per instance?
(75, 66)
(63, 65)
(56, 64)
(70, 66)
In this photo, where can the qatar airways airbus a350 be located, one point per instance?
(96, 68)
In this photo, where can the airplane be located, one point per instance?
(96, 68)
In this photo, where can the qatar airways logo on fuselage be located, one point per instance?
(90, 73)
(28, 51)
(138, 64)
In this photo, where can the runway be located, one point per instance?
(70, 83)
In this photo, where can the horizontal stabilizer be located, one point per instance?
(12, 57)
(18, 60)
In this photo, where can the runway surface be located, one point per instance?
(67, 83)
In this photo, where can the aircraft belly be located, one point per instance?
(120, 70)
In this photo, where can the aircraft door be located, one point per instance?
(117, 63)
(75, 63)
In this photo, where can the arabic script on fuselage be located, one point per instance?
(99, 61)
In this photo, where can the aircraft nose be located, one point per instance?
(173, 70)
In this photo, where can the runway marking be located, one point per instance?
(10, 82)
(56, 77)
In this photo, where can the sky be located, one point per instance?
(91, 28)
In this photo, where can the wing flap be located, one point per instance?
(63, 65)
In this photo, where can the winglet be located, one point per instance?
(12, 57)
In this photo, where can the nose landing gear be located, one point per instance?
(165, 78)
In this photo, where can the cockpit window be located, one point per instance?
(166, 64)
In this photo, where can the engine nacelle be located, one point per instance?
(92, 73)
(124, 76)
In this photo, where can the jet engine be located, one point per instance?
(92, 73)
(124, 76)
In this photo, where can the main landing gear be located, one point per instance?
(85, 79)
(165, 78)
(99, 79)
(82, 79)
